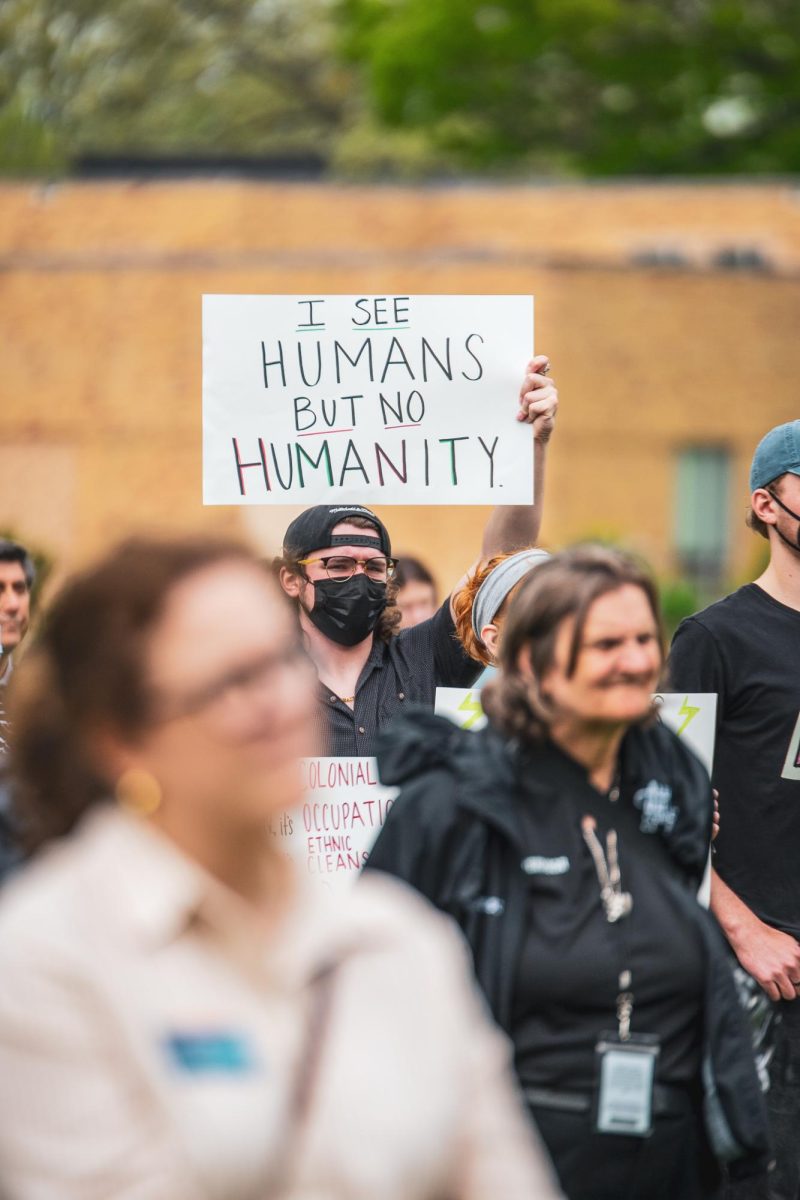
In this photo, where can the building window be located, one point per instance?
(701, 513)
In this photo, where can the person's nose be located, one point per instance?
(637, 657)
(9, 602)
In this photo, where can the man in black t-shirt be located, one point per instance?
(746, 648)
(337, 566)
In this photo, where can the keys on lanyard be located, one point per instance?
(626, 1062)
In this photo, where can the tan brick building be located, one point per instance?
(670, 365)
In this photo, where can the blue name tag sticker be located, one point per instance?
(217, 1053)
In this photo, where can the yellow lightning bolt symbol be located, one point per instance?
(473, 707)
(689, 711)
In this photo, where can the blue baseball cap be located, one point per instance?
(778, 453)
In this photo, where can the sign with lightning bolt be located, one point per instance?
(462, 706)
(470, 706)
(693, 716)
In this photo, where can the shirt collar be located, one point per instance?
(376, 661)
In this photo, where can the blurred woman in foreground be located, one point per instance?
(568, 840)
(181, 1017)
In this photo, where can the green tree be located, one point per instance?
(587, 86)
(246, 76)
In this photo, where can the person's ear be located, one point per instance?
(109, 754)
(525, 668)
(764, 506)
(126, 774)
(524, 663)
(490, 636)
(292, 582)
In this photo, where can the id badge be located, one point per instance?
(625, 1079)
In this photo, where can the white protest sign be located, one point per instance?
(461, 705)
(345, 806)
(365, 399)
(693, 716)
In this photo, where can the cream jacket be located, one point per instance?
(150, 1035)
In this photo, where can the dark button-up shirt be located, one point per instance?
(406, 670)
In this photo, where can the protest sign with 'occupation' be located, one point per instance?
(343, 812)
(382, 399)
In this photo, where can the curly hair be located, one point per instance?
(390, 618)
(563, 588)
(463, 603)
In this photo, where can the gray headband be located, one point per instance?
(499, 582)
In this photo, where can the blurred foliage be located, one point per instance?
(407, 87)
(587, 86)
(679, 599)
(148, 76)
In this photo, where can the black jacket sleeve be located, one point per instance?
(427, 838)
(413, 840)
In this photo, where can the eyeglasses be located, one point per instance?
(340, 567)
(226, 698)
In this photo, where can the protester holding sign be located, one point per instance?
(481, 605)
(363, 399)
(568, 839)
(337, 566)
(181, 1014)
(746, 648)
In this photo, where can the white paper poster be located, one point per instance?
(461, 705)
(693, 716)
(345, 806)
(365, 399)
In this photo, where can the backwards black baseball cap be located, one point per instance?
(313, 530)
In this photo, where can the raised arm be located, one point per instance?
(516, 526)
(512, 527)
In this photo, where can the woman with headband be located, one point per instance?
(567, 840)
(481, 605)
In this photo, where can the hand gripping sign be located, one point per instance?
(368, 399)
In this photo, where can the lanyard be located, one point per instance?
(298, 1111)
(616, 904)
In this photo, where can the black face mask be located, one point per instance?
(793, 545)
(347, 612)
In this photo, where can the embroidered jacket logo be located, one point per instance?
(655, 803)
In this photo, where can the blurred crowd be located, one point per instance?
(521, 996)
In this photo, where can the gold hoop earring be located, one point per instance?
(138, 792)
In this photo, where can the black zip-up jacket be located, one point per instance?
(453, 835)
